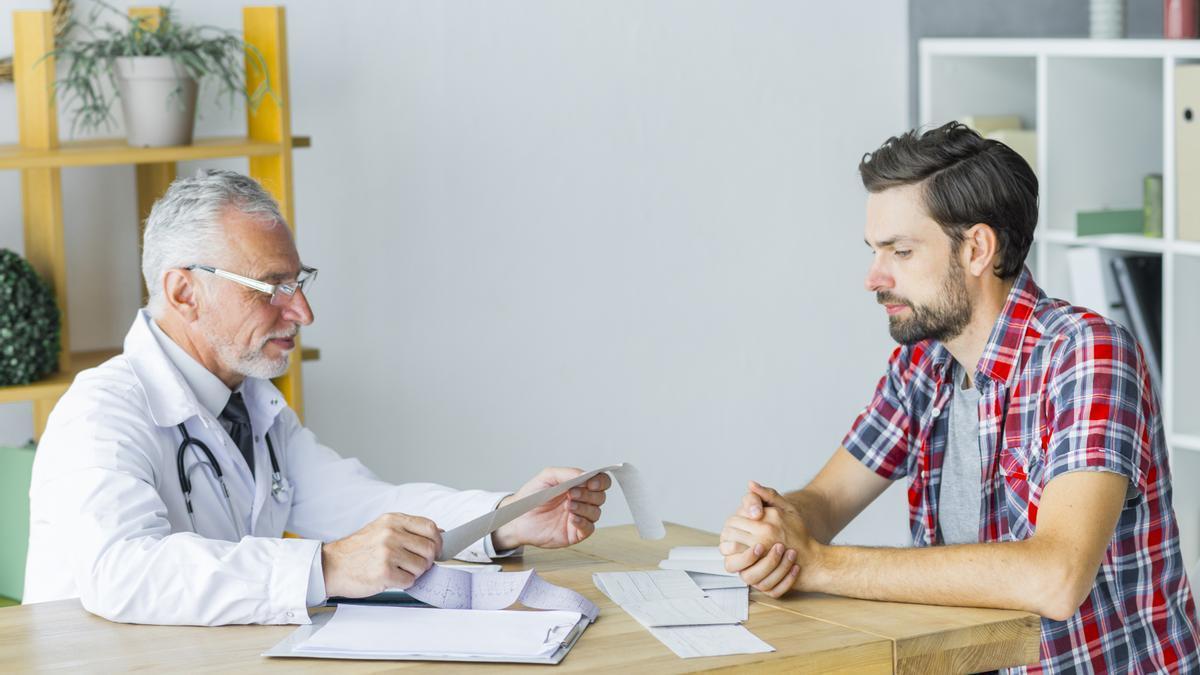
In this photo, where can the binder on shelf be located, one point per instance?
(1187, 150)
(1093, 284)
(1139, 277)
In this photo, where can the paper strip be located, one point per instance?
(648, 523)
(451, 588)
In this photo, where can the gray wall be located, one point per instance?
(571, 233)
(1013, 18)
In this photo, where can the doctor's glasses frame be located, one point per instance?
(281, 294)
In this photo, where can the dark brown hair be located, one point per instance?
(966, 179)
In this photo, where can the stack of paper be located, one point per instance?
(679, 613)
(706, 566)
(377, 632)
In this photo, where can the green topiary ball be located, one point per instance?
(30, 333)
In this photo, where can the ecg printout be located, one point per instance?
(649, 525)
(661, 598)
(452, 588)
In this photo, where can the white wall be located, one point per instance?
(570, 233)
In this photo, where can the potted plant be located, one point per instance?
(155, 68)
(30, 331)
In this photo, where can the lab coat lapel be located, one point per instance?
(263, 401)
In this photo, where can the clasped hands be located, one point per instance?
(767, 543)
(395, 548)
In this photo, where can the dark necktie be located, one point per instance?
(238, 417)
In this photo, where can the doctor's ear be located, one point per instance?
(179, 290)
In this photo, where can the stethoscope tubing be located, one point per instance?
(185, 481)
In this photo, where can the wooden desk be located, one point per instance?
(809, 633)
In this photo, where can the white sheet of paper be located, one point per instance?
(444, 586)
(422, 631)
(661, 598)
(711, 581)
(702, 559)
(713, 567)
(733, 601)
(637, 495)
(692, 641)
(695, 553)
(473, 569)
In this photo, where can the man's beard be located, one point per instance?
(251, 362)
(943, 320)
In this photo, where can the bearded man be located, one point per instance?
(1027, 428)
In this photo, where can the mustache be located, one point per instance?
(885, 298)
(293, 332)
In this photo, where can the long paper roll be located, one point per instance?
(649, 525)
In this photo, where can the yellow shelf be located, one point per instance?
(108, 151)
(55, 385)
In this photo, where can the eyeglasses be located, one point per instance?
(281, 294)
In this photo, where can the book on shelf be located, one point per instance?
(1139, 278)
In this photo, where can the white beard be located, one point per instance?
(250, 363)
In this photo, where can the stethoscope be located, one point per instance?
(279, 484)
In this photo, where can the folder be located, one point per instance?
(1140, 279)
(1187, 150)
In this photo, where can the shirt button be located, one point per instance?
(937, 411)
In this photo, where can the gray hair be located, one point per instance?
(184, 227)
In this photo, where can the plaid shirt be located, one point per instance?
(1063, 389)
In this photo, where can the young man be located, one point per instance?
(1027, 428)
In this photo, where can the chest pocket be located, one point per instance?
(1023, 472)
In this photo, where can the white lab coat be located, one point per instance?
(107, 517)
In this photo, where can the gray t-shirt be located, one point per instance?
(961, 494)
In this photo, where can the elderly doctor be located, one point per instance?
(110, 520)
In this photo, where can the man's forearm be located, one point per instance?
(1008, 575)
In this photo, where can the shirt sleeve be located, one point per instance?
(315, 595)
(1101, 406)
(879, 436)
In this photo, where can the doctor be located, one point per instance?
(187, 413)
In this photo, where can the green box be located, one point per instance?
(16, 467)
(1111, 221)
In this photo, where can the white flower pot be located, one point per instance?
(158, 100)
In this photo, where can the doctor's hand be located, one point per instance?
(767, 543)
(390, 552)
(563, 521)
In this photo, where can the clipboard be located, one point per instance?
(286, 648)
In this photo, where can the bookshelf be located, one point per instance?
(1104, 112)
(40, 157)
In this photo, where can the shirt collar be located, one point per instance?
(210, 391)
(1005, 344)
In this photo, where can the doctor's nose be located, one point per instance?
(298, 310)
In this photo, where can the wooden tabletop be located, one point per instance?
(810, 633)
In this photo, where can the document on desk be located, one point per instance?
(682, 615)
(693, 641)
(423, 633)
(703, 559)
(452, 588)
(637, 495)
(661, 598)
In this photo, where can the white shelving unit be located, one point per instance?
(1104, 112)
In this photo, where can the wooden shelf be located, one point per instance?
(109, 151)
(55, 385)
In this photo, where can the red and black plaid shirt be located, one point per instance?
(1063, 389)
